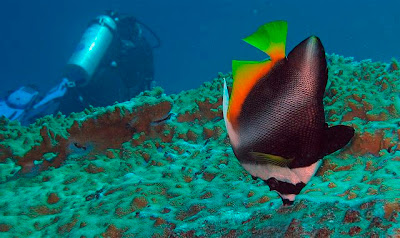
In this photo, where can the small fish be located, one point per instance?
(275, 114)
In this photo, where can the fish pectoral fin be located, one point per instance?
(270, 38)
(336, 137)
(262, 158)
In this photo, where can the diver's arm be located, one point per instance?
(49, 104)
(56, 92)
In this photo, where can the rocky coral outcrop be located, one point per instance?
(162, 166)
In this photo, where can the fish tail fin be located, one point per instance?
(271, 39)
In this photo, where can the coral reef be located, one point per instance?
(161, 166)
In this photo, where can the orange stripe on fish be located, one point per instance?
(269, 38)
(245, 75)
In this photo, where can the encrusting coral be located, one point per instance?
(161, 166)
(90, 134)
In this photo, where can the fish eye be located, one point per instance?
(272, 183)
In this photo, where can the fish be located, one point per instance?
(274, 115)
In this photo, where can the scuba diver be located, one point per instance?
(112, 62)
(25, 104)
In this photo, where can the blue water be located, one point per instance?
(199, 38)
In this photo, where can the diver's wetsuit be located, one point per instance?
(132, 74)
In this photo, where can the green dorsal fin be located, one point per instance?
(270, 38)
(262, 158)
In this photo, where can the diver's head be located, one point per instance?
(22, 98)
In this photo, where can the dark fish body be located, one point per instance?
(278, 133)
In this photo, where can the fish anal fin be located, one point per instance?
(271, 39)
(262, 158)
(245, 75)
(336, 137)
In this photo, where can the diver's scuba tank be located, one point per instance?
(90, 51)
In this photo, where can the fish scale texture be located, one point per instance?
(282, 117)
(180, 178)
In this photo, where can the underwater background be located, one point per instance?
(161, 164)
(198, 38)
